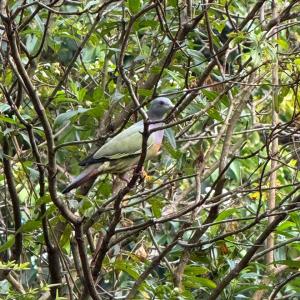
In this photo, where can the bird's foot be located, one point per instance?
(145, 176)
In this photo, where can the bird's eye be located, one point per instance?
(161, 102)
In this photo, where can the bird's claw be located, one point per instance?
(145, 176)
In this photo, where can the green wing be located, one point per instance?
(127, 143)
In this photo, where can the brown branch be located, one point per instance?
(153, 78)
(88, 278)
(190, 96)
(15, 283)
(79, 49)
(274, 149)
(277, 289)
(39, 108)
(250, 253)
(134, 290)
(11, 185)
(259, 294)
(53, 252)
(46, 27)
(165, 62)
(76, 259)
(283, 16)
(187, 252)
(257, 220)
(262, 253)
(122, 54)
(213, 213)
(117, 205)
(181, 34)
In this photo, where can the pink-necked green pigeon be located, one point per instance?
(122, 152)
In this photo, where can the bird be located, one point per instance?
(122, 152)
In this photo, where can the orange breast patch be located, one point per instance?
(153, 150)
(156, 147)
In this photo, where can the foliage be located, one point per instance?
(203, 224)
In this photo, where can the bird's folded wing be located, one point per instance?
(127, 143)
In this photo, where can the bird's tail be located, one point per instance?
(87, 174)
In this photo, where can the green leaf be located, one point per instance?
(30, 226)
(98, 94)
(235, 169)
(14, 266)
(296, 218)
(105, 188)
(65, 238)
(157, 204)
(61, 97)
(145, 92)
(210, 95)
(4, 107)
(8, 130)
(126, 267)
(7, 120)
(219, 25)
(31, 43)
(297, 63)
(25, 138)
(194, 270)
(283, 92)
(173, 3)
(294, 264)
(90, 4)
(225, 100)
(81, 94)
(198, 282)
(37, 18)
(225, 214)
(62, 118)
(44, 199)
(10, 242)
(237, 37)
(213, 113)
(155, 70)
(169, 133)
(34, 174)
(134, 6)
(117, 96)
(173, 152)
(283, 44)
(285, 225)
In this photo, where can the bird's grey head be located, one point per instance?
(158, 107)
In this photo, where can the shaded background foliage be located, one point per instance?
(219, 215)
